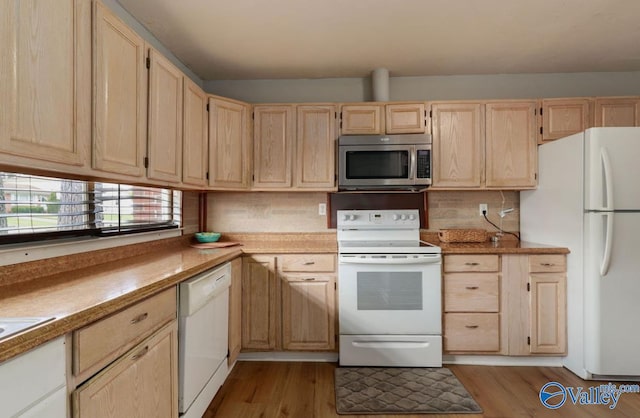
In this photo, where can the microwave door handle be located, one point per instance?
(412, 163)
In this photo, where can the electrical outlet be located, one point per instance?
(483, 209)
(322, 209)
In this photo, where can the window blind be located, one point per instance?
(34, 206)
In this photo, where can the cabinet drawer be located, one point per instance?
(141, 383)
(308, 262)
(472, 332)
(547, 263)
(471, 292)
(472, 262)
(97, 344)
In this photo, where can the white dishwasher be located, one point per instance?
(203, 339)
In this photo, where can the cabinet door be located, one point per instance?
(195, 154)
(564, 117)
(119, 97)
(458, 144)
(274, 130)
(315, 140)
(361, 120)
(142, 383)
(405, 118)
(30, 383)
(511, 148)
(617, 112)
(45, 81)
(259, 297)
(548, 313)
(165, 120)
(229, 152)
(308, 307)
(235, 311)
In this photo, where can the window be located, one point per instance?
(33, 207)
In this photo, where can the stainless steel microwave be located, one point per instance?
(384, 162)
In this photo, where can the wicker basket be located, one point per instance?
(462, 235)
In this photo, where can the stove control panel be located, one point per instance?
(385, 219)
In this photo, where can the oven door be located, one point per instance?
(390, 294)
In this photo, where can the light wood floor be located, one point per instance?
(306, 390)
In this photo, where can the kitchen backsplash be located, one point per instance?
(190, 222)
(460, 210)
(298, 212)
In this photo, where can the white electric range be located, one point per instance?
(389, 290)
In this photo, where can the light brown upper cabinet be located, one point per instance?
(229, 144)
(274, 131)
(45, 84)
(409, 118)
(564, 117)
(164, 160)
(458, 145)
(617, 111)
(315, 147)
(510, 149)
(195, 152)
(362, 119)
(119, 96)
(379, 118)
(294, 147)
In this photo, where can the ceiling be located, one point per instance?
(288, 39)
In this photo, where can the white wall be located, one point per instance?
(116, 8)
(459, 87)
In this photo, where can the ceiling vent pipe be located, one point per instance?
(380, 84)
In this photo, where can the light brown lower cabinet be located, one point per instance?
(308, 306)
(141, 383)
(289, 302)
(235, 311)
(472, 332)
(471, 303)
(126, 364)
(513, 304)
(534, 303)
(259, 296)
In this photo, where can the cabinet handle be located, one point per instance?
(140, 353)
(472, 287)
(472, 264)
(471, 326)
(547, 264)
(309, 263)
(139, 318)
(309, 279)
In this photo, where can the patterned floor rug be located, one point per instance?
(380, 390)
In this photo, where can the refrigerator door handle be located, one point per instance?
(606, 258)
(608, 178)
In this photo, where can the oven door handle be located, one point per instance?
(389, 260)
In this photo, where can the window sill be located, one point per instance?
(22, 253)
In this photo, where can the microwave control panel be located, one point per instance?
(423, 168)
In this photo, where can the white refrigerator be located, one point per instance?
(588, 199)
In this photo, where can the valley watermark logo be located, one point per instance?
(553, 394)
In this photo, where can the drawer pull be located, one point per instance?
(309, 279)
(140, 353)
(472, 264)
(471, 326)
(471, 287)
(547, 264)
(139, 318)
(309, 263)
